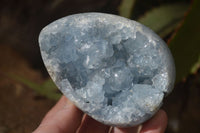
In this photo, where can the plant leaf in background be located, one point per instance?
(47, 89)
(126, 8)
(165, 18)
(196, 66)
(185, 46)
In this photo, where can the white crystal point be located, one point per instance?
(114, 69)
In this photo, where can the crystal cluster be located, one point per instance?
(114, 69)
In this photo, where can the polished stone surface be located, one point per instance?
(114, 69)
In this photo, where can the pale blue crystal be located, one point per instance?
(114, 69)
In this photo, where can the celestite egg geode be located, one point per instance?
(114, 69)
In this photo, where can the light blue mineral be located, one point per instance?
(114, 69)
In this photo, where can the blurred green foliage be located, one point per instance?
(47, 89)
(126, 7)
(165, 18)
(185, 46)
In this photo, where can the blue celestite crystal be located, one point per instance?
(114, 69)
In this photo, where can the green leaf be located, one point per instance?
(126, 8)
(196, 66)
(49, 84)
(185, 45)
(47, 89)
(165, 18)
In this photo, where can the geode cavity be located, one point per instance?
(114, 69)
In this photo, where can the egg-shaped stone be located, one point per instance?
(114, 69)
